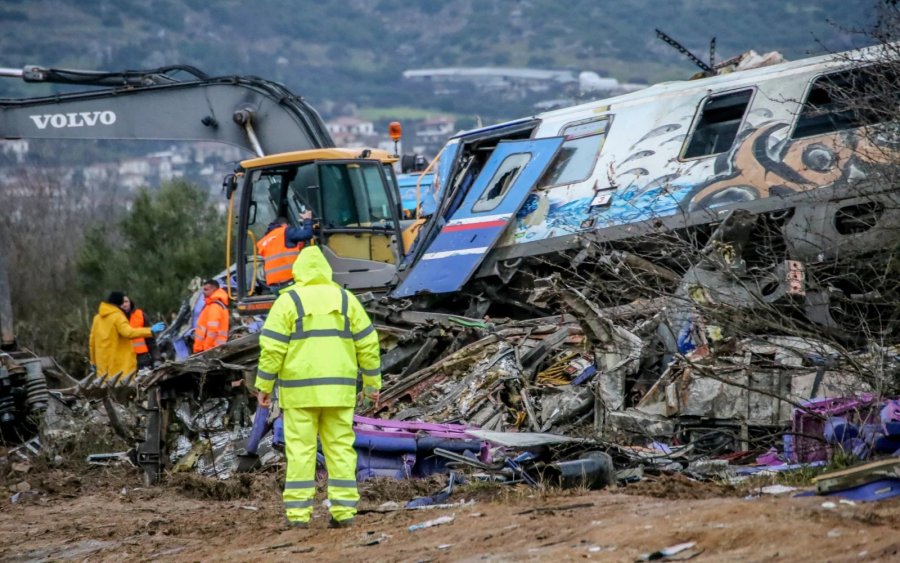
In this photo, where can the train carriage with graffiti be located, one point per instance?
(802, 145)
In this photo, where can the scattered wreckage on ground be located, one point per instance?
(690, 264)
(569, 384)
(669, 276)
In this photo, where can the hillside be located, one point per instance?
(356, 51)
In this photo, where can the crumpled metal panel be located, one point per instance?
(760, 385)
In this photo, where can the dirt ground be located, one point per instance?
(104, 514)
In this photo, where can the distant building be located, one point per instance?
(508, 82)
(513, 84)
(206, 151)
(436, 126)
(432, 133)
(99, 173)
(350, 131)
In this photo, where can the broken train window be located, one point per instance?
(502, 180)
(847, 100)
(576, 158)
(717, 128)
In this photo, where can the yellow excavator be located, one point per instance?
(352, 193)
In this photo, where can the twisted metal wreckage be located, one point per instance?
(682, 273)
(738, 276)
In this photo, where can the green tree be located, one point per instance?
(168, 237)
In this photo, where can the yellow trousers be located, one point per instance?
(335, 427)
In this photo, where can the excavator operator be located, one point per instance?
(280, 247)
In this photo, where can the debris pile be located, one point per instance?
(495, 382)
(655, 383)
(31, 391)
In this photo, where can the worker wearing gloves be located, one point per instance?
(111, 350)
(213, 322)
(315, 342)
(144, 348)
(279, 249)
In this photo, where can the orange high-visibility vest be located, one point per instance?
(136, 320)
(212, 324)
(278, 258)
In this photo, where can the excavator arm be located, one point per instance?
(245, 111)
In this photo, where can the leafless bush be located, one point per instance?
(42, 223)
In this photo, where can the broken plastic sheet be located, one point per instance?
(222, 462)
(210, 416)
(745, 387)
(522, 439)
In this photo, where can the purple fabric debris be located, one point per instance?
(260, 427)
(770, 458)
(886, 444)
(404, 449)
(890, 412)
(661, 447)
(839, 431)
(588, 373)
(808, 423)
(278, 433)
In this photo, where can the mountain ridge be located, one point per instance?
(356, 51)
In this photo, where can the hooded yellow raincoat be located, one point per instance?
(110, 344)
(316, 341)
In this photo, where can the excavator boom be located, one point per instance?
(244, 111)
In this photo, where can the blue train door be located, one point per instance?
(493, 200)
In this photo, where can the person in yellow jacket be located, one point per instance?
(112, 355)
(315, 343)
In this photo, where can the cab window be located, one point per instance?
(501, 182)
(576, 158)
(265, 202)
(302, 195)
(353, 194)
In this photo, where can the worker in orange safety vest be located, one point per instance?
(280, 247)
(145, 348)
(212, 324)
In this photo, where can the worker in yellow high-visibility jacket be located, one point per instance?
(315, 342)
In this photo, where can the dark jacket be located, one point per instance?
(153, 355)
(294, 235)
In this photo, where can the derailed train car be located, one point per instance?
(788, 166)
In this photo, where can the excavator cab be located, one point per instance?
(356, 216)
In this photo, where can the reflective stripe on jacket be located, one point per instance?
(212, 324)
(136, 320)
(278, 258)
(317, 340)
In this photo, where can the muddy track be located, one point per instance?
(119, 520)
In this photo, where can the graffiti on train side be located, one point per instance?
(763, 163)
(760, 165)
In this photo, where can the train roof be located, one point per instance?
(735, 79)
